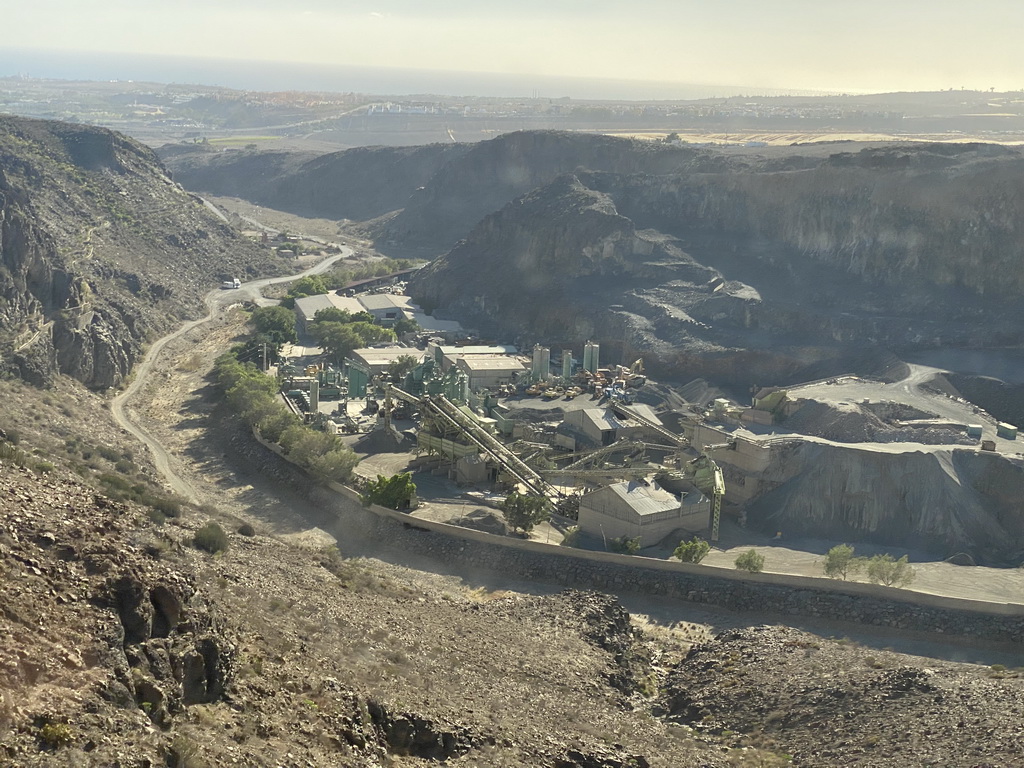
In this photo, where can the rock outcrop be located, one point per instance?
(99, 252)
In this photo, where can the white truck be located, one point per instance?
(232, 283)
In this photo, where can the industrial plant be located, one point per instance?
(616, 453)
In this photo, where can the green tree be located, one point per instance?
(751, 560)
(277, 323)
(337, 339)
(625, 546)
(523, 512)
(332, 315)
(395, 492)
(400, 366)
(840, 562)
(310, 285)
(334, 466)
(692, 551)
(882, 569)
(370, 333)
(406, 325)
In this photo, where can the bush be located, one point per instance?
(751, 560)
(245, 529)
(882, 569)
(395, 492)
(54, 735)
(523, 512)
(692, 551)
(211, 538)
(624, 546)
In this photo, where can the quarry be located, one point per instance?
(903, 461)
(660, 343)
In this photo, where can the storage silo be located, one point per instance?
(541, 363)
(592, 356)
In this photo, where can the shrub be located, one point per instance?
(245, 529)
(882, 569)
(211, 537)
(692, 551)
(42, 467)
(395, 492)
(624, 546)
(54, 735)
(751, 560)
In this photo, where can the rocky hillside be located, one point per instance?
(357, 184)
(128, 646)
(742, 265)
(100, 251)
(764, 270)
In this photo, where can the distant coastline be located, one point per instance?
(292, 76)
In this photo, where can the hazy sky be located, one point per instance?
(869, 45)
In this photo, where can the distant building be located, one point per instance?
(387, 308)
(644, 510)
(490, 371)
(592, 427)
(307, 307)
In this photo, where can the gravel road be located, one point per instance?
(216, 301)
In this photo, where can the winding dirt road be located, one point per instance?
(216, 301)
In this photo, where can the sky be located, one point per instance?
(827, 45)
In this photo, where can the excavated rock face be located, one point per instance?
(945, 501)
(99, 250)
(747, 270)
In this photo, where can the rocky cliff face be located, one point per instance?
(99, 250)
(943, 501)
(491, 173)
(753, 272)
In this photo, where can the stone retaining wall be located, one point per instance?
(867, 604)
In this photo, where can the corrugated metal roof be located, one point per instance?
(642, 499)
(308, 306)
(378, 301)
(602, 419)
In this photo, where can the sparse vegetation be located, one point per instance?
(624, 546)
(751, 561)
(522, 512)
(211, 538)
(55, 735)
(571, 537)
(884, 570)
(692, 551)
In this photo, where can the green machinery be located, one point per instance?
(707, 476)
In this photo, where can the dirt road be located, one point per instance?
(216, 301)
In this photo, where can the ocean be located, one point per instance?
(295, 76)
